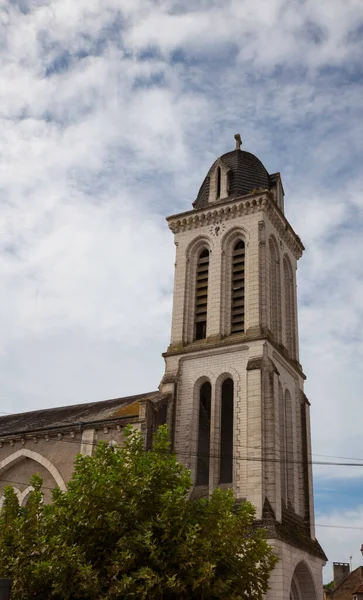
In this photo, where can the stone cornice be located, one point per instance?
(235, 342)
(230, 209)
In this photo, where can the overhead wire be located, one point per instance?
(45, 487)
(261, 459)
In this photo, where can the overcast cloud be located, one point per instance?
(111, 113)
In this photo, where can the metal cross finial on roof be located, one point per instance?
(237, 137)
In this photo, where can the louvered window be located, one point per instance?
(238, 288)
(201, 296)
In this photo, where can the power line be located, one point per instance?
(313, 462)
(338, 526)
(190, 455)
(316, 524)
(261, 459)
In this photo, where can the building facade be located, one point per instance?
(239, 414)
(233, 389)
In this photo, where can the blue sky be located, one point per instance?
(111, 114)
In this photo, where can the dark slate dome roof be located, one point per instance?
(246, 173)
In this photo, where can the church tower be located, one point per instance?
(238, 413)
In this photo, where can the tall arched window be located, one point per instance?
(226, 450)
(204, 434)
(289, 308)
(289, 447)
(283, 461)
(201, 296)
(219, 182)
(286, 447)
(238, 288)
(275, 300)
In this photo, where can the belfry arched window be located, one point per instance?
(275, 289)
(283, 449)
(289, 308)
(286, 446)
(289, 447)
(238, 288)
(204, 434)
(226, 448)
(201, 296)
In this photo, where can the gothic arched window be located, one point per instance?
(201, 296)
(226, 449)
(289, 447)
(289, 308)
(283, 461)
(286, 446)
(219, 183)
(204, 434)
(238, 288)
(275, 300)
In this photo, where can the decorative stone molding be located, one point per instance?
(254, 363)
(22, 496)
(285, 231)
(24, 453)
(88, 441)
(261, 232)
(193, 220)
(215, 216)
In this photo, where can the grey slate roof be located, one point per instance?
(292, 529)
(246, 174)
(77, 414)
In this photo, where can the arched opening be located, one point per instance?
(201, 296)
(275, 300)
(203, 454)
(238, 288)
(289, 453)
(219, 183)
(289, 308)
(226, 448)
(25, 495)
(283, 450)
(24, 453)
(302, 584)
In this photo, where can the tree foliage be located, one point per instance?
(125, 528)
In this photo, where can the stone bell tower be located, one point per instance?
(238, 413)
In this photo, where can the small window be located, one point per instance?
(201, 296)
(204, 434)
(238, 288)
(219, 182)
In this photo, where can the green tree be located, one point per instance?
(126, 529)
